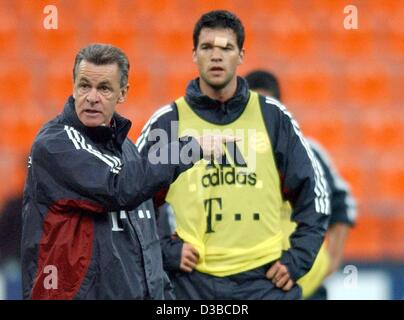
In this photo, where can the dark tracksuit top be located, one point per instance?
(88, 230)
(297, 180)
(342, 201)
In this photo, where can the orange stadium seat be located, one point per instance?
(273, 7)
(382, 132)
(97, 7)
(395, 44)
(140, 86)
(396, 86)
(10, 44)
(16, 83)
(394, 244)
(329, 6)
(177, 83)
(366, 84)
(287, 45)
(312, 88)
(388, 6)
(390, 182)
(19, 135)
(150, 7)
(365, 240)
(384, 16)
(174, 44)
(112, 16)
(49, 44)
(349, 44)
(9, 35)
(58, 81)
(328, 127)
(205, 6)
(127, 40)
(354, 175)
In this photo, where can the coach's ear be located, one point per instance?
(74, 91)
(123, 94)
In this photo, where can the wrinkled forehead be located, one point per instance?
(218, 37)
(98, 73)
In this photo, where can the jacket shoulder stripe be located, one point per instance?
(70, 135)
(80, 143)
(339, 183)
(146, 129)
(115, 160)
(322, 203)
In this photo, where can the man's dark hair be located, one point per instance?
(102, 54)
(260, 79)
(220, 19)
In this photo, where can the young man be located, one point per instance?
(86, 233)
(229, 243)
(343, 205)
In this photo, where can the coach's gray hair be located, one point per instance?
(101, 54)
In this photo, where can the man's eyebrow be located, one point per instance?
(211, 44)
(207, 43)
(84, 79)
(105, 82)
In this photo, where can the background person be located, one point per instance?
(343, 204)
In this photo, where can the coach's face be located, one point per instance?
(96, 92)
(217, 56)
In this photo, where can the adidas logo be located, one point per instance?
(227, 173)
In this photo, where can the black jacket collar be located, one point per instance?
(101, 134)
(213, 110)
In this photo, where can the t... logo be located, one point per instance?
(209, 209)
(117, 224)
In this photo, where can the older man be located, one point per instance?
(86, 232)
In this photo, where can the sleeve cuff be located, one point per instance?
(287, 260)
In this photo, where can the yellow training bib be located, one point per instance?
(230, 211)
